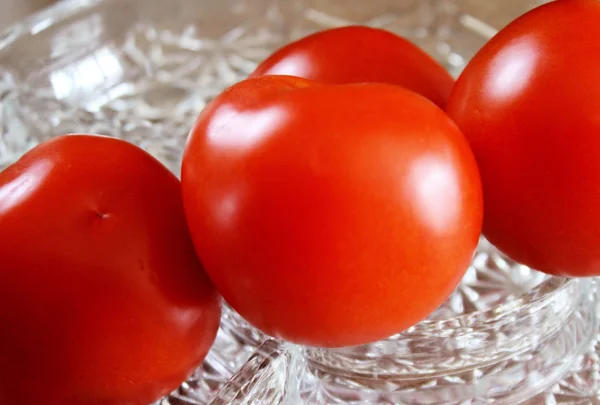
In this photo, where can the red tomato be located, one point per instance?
(528, 103)
(330, 215)
(361, 54)
(102, 298)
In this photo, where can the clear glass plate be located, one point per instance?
(143, 70)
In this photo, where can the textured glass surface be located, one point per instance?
(538, 348)
(143, 70)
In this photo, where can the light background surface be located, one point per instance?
(14, 10)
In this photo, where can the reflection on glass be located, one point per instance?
(96, 70)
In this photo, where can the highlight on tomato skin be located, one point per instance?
(528, 104)
(356, 54)
(330, 215)
(103, 300)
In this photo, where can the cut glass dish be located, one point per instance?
(143, 70)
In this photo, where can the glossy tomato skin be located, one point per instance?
(102, 298)
(330, 215)
(528, 104)
(357, 54)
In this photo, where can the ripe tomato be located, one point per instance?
(102, 298)
(361, 54)
(528, 103)
(330, 215)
